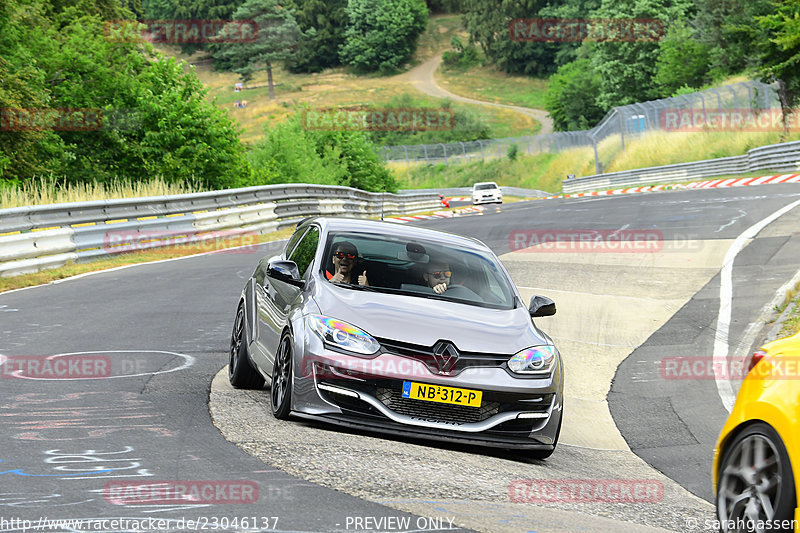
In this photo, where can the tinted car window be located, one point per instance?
(485, 186)
(304, 253)
(394, 264)
(293, 241)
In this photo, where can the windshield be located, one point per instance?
(421, 268)
(483, 186)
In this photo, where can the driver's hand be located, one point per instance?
(440, 288)
(337, 278)
(362, 279)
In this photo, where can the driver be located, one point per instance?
(345, 265)
(437, 276)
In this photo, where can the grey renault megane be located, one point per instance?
(399, 329)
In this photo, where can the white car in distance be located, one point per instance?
(486, 192)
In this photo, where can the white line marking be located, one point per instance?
(188, 360)
(721, 348)
(742, 212)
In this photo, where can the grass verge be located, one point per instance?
(45, 191)
(792, 323)
(491, 85)
(545, 171)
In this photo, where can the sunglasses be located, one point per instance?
(441, 273)
(342, 255)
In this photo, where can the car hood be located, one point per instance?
(424, 321)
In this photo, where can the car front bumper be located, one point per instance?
(351, 391)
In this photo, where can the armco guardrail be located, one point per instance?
(466, 191)
(784, 157)
(48, 236)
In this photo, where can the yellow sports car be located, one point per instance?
(757, 457)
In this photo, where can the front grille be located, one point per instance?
(426, 356)
(393, 399)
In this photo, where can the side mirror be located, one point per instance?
(541, 306)
(286, 271)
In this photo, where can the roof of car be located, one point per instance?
(394, 229)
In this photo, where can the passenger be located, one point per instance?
(437, 276)
(345, 265)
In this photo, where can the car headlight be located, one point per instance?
(534, 360)
(343, 335)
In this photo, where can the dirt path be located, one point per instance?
(422, 78)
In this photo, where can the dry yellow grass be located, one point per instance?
(546, 171)
(44, 191)
(491, 85)
(336, 87)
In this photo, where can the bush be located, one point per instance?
(461, 57)
(469, 125)
(291, 154)
(682, 61)
(513, 150)
(571, 96)
(382, 34)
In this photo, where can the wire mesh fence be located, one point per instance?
(624, 122)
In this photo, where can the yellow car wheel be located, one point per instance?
(755, 480)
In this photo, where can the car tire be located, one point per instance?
(743, 487)
(281, 393)
(241, 373)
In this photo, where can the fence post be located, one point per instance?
(405, 150)
(597, 167)
(735, 103)
(425, 147)
(444, 149)
(483, 156)
(621, 129)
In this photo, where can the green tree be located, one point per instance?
(571, 96)
(730, 31)
(487, 22)
(278, 34)
(627, 69)
(318, 50)
(23, 154)
(682, 61)
(156, 120)
(199, 10)
(444, 6)
(780, 59)
(382, 34)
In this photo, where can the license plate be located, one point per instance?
(441, 394)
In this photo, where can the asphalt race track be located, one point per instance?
(124, 405)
